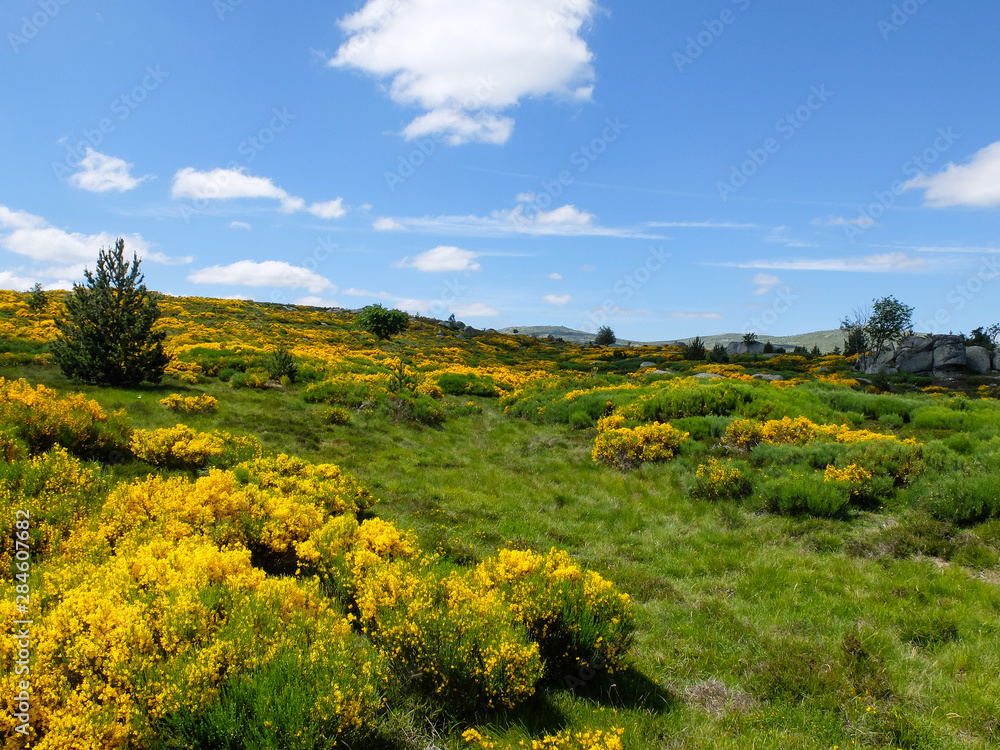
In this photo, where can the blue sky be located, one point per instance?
(665, 168)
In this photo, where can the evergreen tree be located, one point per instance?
(107, 337)
(37, 299)
(605, 336)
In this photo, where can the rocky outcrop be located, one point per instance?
(978, 359)
(942, 356)
(739, 347)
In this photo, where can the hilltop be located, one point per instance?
(825, 340)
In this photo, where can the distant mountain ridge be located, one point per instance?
(825, 340)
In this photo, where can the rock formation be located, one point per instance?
(938, 356)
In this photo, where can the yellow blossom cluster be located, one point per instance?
(595, 739)
(175, 447)
(627, 447)
(718, 480)
(203, 404)
(744, 434)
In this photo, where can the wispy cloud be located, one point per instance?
(884, 263)
(565, 221)
(557, 299)
(705, 225)
(864, 222)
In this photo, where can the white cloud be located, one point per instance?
(32, 236)
(765, 282)
(315, 302)
(100, 173)
(474, 310)
(697, 315)
(976, 183)
(232, 184)
(274, 273)
(466, 61)
(385, 224)
(705, 225)
(239, 225)
(329, 210)
(557, 299)
(442, 258)
(565, 221)
(9, 280)
(883, 263)
(865, 222)
(555, 276)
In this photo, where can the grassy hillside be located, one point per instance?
(798, 563)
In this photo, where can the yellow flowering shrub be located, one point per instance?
(745, 434)
(177, 447)
(594, 739)
(857, 478)
(576, 616)
(718, 480)
(626, 448)
(43, 418)
(610, 422)
(186, 372)
(203, 404)
(787, 431)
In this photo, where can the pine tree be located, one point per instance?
(107, 337)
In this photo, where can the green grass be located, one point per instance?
(754, 630)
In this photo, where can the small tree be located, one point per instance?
(382, 322)
(719, 354)
(107, 336)
(695, 351)
(281, 364)
(749, 338)
(605, 336)
(984, 336)
(37, 299)
(871, 331)
(768, 348)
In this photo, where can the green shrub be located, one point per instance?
(805, 494)
(892, 421)
(226, 374)
(722, 480)
(281, 364)
(964, 498)
(470, 384)
(337, 415)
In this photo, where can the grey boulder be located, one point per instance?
(911, 361)
(949, 355)
(978, 359)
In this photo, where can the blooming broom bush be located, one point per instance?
(177, 447)
(626, 448)
(719, 480)
(203, 404)
(594, 739)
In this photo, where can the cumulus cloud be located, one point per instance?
(466, 61)
(273, 273)
(976, 183)
(555, 276)
(329, 210)
(100, 173)
(232, 184)
(32, 236)
(313, 301)
(557, 299)
(565, 221)
(442, 258)
(385, 224)
(239, 225)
